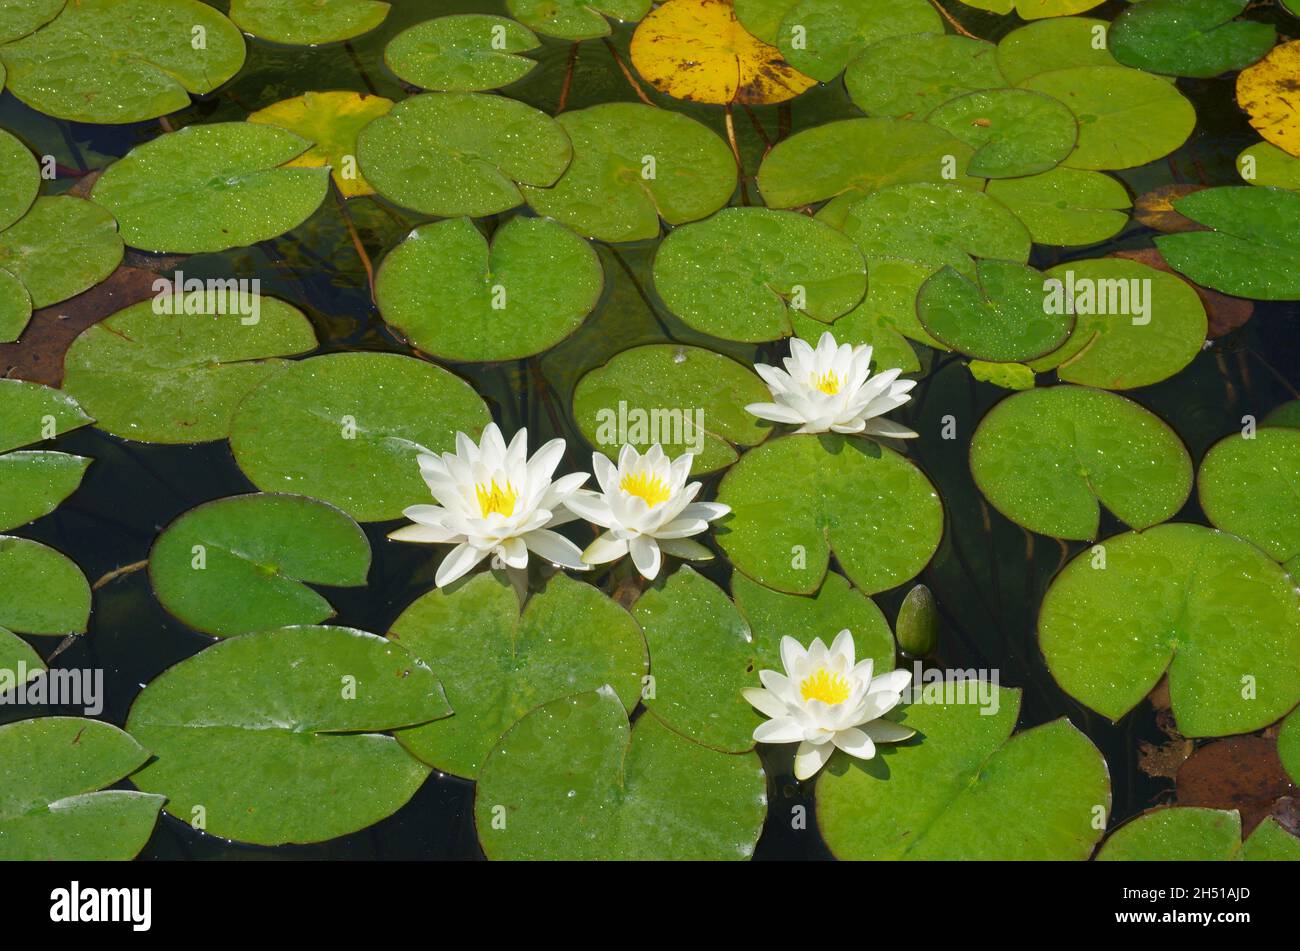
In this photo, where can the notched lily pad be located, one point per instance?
(821, 37)
(908, 76)
(307, 22)
(34, 482)
(470, 52)
(1065, 206)
(1014, 132)
(576, 19)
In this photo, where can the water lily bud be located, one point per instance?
(917, 627)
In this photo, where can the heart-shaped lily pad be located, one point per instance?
(346, 428)
(1046, 45)
(20, 17)
(178, 377)
(53, 805)
(686, 399)
(20, 179)
(620, 792)
(238, 565)
(739, 274)
(1265, 164)
(966, 788)
(1193, 834)
(1014, 132)
(307, 22)
(632, 165)
(1126, 117)
(1065, 206)
(454, 295)
(331, 121)
(211, 187)
(61, 247)
(1189, 37)
(998, 316)
(821, 37)
(1134, 325)
(497, 663)
(41, 590)
(255, 733)
(1212, 610)
(704, 650)
(33, 483)
(1253, 249)
(1048, 459)
(797, 499)
(907, 76)
(469, 52)
(117, 61)
(576, 19)
(452, 154)
(1251, 488)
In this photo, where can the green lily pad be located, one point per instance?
(1254, 249)
(307, 22)
(853, 157)
(178, 378)
(346, 428)
(632, 165)
(686, 399)
(211, 187)
(934, 225)
(118, 61)
(20, 179)
(469, 52)
(241, 564)
(15, 307)
(820, 37)
(53, 805)
(41, 590)
(1212, 610)
(1288, 415)
(1193, 834)
(1126, 117)
(1251, 488)
(257, 732)
(497, 662)
(14, 651)
(1047, 45)
(1265, 164)
(620, 792)
(1065, 206)
(998, 316)
(1009, 376)
(1013, 132)
(576, 19)
(704, 650)
(1034, 9)
(1048, 459)
(61, 247)
(740, 274)
(965, 788)
(1189, 37)
(454, 295)
(20, 17)
(797, 499)
(33, 483)
(31, 413)
(1288, 745)
(907, 76)
(453, 154)
(1114, 346)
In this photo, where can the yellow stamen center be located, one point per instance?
(493, 498)
(645, 486)
(826, 686)
(828, 383)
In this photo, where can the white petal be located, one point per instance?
(895, 681)
(605, 548)
(462, 558)
(775, 412)
(810, 758)
(854, 742)
(842, 646)
(887, 731)
(646, 556)
(779, 730)
(555, 548)
(888, 428)
(591, 506)
(685, 549)
(514, 553)
(765, 702)
(792, 652)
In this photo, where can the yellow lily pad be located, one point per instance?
(1267, 92)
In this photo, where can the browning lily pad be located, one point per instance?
(1266, 91)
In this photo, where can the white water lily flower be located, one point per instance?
(647, 508)
(831, 389)
(494, 500)
(825, 701)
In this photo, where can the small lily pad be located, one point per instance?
(740, 274)
(576, 19)
(61, 247)
(1046, 45)
(118, 61)
(686, 399)
(211, 187)
(620, 792)
(33, 483)
(497, 662)
(1048, 459)
(965, 788)
(1065, 206)
(1009, 376)
(1208, 608)
(20, 179)
(1250, 487)
(453, 154)
(1013, 132)
(258, 731)
(821, 37)
(1198, 38)
(53, 805)
(178, 377)
(1193, 834)
(470, 52)
(1265, 164)
(346, 428)
(633, 165)
(454, 295)
(41, 590)
(238, 565)
(907, 76)
(307, 22)
(797, 499)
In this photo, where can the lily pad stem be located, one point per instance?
(568, 78)
(119, 573)
(735, 151)
(952, 20)
(627, 73)
(356, 243)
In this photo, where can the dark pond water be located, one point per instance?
(988, 575)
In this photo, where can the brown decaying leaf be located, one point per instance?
(1155, 209)
(1225, 313)
(1242, 773)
